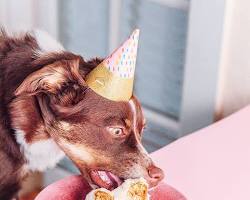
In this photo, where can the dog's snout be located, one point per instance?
(156, 175)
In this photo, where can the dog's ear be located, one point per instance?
(51, 78)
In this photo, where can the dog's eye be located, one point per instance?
(116, 131)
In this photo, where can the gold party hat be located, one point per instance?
(113, 78)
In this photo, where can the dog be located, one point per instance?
(47, 111)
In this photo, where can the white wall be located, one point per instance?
(234, 90)
(203, 55)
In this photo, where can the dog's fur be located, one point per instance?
(47, 110)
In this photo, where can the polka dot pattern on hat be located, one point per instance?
(122, 61)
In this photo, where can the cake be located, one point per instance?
(100, 194)
(131, 189)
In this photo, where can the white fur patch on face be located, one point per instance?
(40, 155)
(136, 171)
(133, 108)
(46, 43)
(139, 144)
(65, 125)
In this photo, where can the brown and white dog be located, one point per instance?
(47, 111)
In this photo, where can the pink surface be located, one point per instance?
(213, 163)
(75, 188)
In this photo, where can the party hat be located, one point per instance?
(113, 78)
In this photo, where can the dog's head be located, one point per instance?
(102, 137)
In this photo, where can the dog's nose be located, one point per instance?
(156, 175)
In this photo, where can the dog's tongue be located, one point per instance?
(105, 179)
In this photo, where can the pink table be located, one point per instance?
(213, 163)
